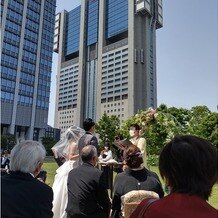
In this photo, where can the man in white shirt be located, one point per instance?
(139, 141)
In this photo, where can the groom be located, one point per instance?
(88, 138)
(87, 190)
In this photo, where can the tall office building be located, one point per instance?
(27, 30)
(107, 59)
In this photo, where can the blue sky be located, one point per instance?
(187, 54)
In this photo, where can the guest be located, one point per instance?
(136, 177)
(105, 156)
(67, 147)
(22, 195)
(88, 138)
(5, 163)
(87, 193)
(189, 166)
(139, 141)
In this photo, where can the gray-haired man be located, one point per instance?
(22, 195)
(87, 190)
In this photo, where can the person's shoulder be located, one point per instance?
(95, 169)
(93, 172)
(76, 169)
(151, 173)
(122, 176)
(43, 186)
(94, 137)
(142, 139)
(5, 178)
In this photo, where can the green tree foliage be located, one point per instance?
(7, 141)
(160, 125)
(168, 122)
(208, 128)
(107, 128)
(48, 143)
(198, 113)
(181, 116)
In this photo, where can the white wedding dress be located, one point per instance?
(60, 188)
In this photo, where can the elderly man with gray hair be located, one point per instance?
(87, 189)
(22, 194)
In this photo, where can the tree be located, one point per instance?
(209, 128)
(7, 141)
(182, 117)
(107, 128)
(198, 113)
(48, 143)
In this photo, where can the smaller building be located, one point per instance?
(54, 133)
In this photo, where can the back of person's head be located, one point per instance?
(125, 142)
(6, 152)
(189, 165)
(26, 155)
(133, 156)
(88, 123)
(88, 152)
(136, 126)
(107, 144)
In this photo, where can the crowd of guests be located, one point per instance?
(188, 165)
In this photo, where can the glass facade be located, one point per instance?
(92, 17)
(91, 90)
(72, 31)
(26, 59)
(10, 49)
(116, 17)
(45, 66)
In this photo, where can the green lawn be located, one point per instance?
(50, 166)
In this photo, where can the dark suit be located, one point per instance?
(87, 139)
(87, 193)
(23, 196)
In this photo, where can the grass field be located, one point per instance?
(50, 166)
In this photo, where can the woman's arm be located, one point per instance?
(109, 156)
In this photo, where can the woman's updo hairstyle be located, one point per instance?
(133, 156)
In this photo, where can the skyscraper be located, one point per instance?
(107, 59)
(26, 60)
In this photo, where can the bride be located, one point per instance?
(67, 147)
